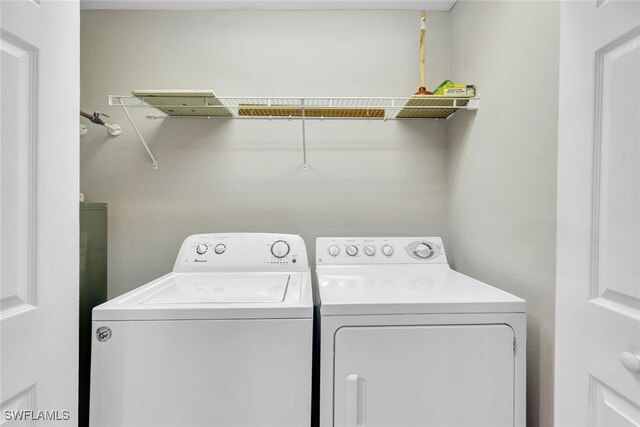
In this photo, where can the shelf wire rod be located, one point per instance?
(146, 147)
(304, 136)
(390, 112)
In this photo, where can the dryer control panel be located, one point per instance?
(379, 250)
(242, 252)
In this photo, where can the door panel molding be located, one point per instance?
(619, 302)
(609, 406)
(20, 139)
(20, 355)
(22, 401)
(627, 43)
(18, 299)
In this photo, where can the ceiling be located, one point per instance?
(432, 5)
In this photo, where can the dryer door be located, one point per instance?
(446, 375)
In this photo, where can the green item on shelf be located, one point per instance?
(443, 84)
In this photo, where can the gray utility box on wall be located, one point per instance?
(93, 290)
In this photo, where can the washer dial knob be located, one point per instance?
(370, 250)
(333, 250)
(220, 248)
(280, 249)
(387, 250)
(352, 250)
(201, 249)
(423, 251)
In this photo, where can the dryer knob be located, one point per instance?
(387, 250)
(220, 248)
(423, 251)
(370, 250)
(333, 250)
(201, 249)
(352, 250)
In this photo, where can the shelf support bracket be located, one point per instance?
(304, 137)
(474, 103)
(144, 143)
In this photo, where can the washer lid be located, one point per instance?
(195, 296)
(408, 289)
(222, 288)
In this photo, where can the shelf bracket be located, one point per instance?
(474, 103)
(304, 137)
(144, 143)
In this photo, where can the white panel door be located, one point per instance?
(424, 376)
(38, 211)
(598, 271)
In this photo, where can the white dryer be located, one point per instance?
(406, 341)
(224, 340)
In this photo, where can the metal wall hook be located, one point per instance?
(114, 129)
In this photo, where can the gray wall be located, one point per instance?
(365, 178)
(488, 178)
(502, 167)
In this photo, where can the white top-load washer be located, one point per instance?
(224, 340)
(406, 341)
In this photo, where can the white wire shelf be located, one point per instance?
(309, 108)
(185, 104)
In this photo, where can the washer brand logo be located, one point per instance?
(199, 260)
(103, 333)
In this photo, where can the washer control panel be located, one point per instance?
(242, 251)
(380, 250)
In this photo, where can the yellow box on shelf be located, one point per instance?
(459, 90)
(449, 88)
(456, 90)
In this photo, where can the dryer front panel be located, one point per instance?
(440, 375)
